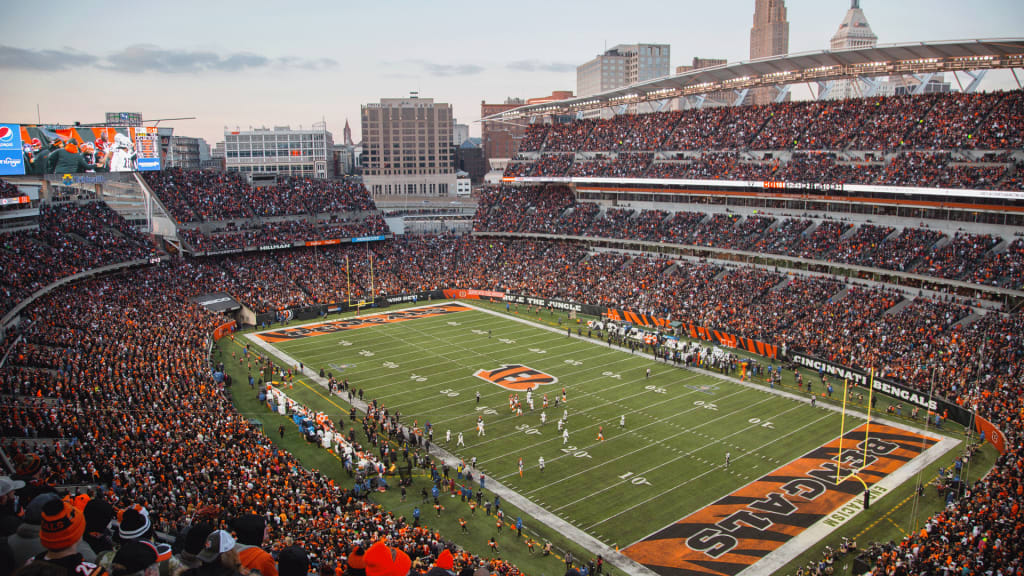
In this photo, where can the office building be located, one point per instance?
(768, 37)
(183, 152)
(281, 150)
(622, 65)
(460, 133)
(407, 147)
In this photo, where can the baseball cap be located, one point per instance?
(7, 485)
(217, 543)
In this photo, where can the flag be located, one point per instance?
(992, 434)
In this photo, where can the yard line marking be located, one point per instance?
(706, 473)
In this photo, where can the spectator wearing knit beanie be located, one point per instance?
(98, 514)
(194, 539)
(356, 563)
(384, 561)
(134, 525)
(25, 542)
(61, 529)
(444, 566)
(135, 558)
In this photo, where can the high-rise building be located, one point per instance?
(768, 37)
(622, 65)
(183, 152)
(407, 147)
(854, 32)
(281, 151)
(347, 135)
(460, 133)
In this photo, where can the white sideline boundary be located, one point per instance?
(767, 565)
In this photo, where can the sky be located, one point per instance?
(257, 63)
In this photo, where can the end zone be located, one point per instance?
(765, 524)
(321, 328)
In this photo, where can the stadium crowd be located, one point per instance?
(899, 141)
(193, 196)
(920, 250)
(270, 233)
(8, 190)
(71, 238)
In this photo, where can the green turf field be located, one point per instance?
(666, 462)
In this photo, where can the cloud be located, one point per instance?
(538, 66)
(141, 58)
(306, 63)
(435, 69)
(12, 58)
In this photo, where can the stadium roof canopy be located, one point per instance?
(919, 59)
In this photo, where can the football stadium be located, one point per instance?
(679, 334)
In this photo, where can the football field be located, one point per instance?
(677, 443)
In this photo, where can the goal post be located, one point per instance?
(855, 472)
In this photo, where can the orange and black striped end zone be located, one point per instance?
(289, 334)
(740, 529)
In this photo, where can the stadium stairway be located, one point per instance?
(899, 306)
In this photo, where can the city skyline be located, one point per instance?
(240, 65)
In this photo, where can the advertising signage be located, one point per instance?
(12, 158)
(51, 149)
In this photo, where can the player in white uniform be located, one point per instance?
(123, 158)
(540, 463)
(543, 418)
(480, 427)
(448, 436)
(565, 437)
(622, 421)
(460, 442)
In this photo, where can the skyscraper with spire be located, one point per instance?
(854, 32)
(348, 134)
(768, 37)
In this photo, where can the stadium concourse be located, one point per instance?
(108, 386)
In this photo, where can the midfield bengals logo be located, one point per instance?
(516, 377)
